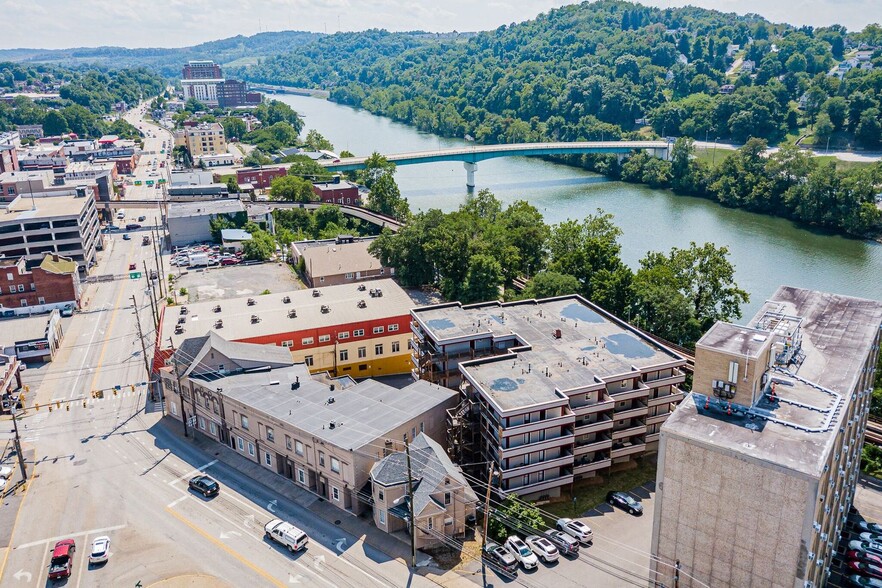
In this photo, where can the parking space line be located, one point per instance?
(85, 562)
(174, 503)
(193, 472)
(253, 567)
(70, 536)
(15, 521)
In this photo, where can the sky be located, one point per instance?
(53, 24)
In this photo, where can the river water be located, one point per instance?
(767, 252)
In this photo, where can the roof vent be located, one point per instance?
(333, 387)
(316, 293)
(332, 425)
(286, 300)
(292, 313)
(331, 400)
(362, 304)
(325, 309)
(296, 383)
(274, 383)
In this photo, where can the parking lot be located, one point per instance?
(867, 507)
(223, 282)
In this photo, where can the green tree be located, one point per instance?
(316, 142)
(260, 247)
(375, 167)
(385, 198)
(823, 129)
(55, 123)
(193, 105)
(483, 279)
(512, 516)
(232, 186)
(293, 189)
(308, 169)
(548, 284)
(234, 127)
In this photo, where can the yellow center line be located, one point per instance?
(260, 571)
(109, 330)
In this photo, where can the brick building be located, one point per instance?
(261, 177)
(343, 260)
(233, 94)
(55, 281)
(338, 192)
(8, 158)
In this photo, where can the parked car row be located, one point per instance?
(204, 255)
(864, 555)
(565, 539)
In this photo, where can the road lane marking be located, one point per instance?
(193, 472)
(85, 563)
(174, 503)
(15, 520)
(241, 559)
(71, 536)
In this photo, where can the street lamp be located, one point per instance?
(714, 158)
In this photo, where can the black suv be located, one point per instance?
(500, 559)
(204, 485)
(132, 226)
(625, 501)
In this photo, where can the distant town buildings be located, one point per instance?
(342, 260)
(53, 283)
(35, 131)
(204, 81)
(202, 139)
(261, 177)
(551, 391)
(757, 467)
(337, 192)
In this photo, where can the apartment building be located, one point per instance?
(202, 139)
(10, 382)
(758, 466)
(322, 433)
(66, 225)
(342, 260)
(552, 391)
(201, 69)
(55, 282)
(8, 158)
(344, 330)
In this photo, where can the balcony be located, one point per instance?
(564, 420)
(640, 392)
(603, 424)
(667, 398)
(538, 466)
(562, 441)
(585, 409)
(678, 377)
(597, 445)
(592, 466)
(658, 418)
(652, 437)
(566, 478)
(629, 432)
(628, 449)
(631, 413)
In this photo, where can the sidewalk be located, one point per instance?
(360, 528)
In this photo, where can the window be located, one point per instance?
(358, 333)
(396, 346)
(244, 421)
(380, 496)
(202, 423)
(382, 517)
(322, 279)
(335, 465)
(298, 447)
(324, 338)
(174, 409)
(241, 443)
(378, 349)
(343, 335)
(40, 299)
(306, 341)
(287, 442)
(288, 343)
(430, 523)
(301, 476)
(206, 402)
(422, 427)
(270, 435)
(308, 360)
(362, 352)
(12, 289)
(335, 493)
(349, 275)
(344, 355)
(393, 328)
(9, 277)
(21, 287)
(378, 330)
(267, 458)
(322, 458)
(447, 499)
(251, 449)
(213, 428)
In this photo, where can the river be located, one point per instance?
(767, 251)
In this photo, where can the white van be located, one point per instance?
(286, 534)
(121, 213)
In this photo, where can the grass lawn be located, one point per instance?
(842, 165)
(592, 492)
(706, 155)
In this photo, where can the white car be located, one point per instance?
(522, 553)
(542, 547)
(576, 529)
(100, 550)
(5, 474)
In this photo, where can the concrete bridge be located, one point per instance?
(471, 155)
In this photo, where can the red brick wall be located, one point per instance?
(55, 287)
(51, 287)
(338, 195)
(260, 178)
(297, 337)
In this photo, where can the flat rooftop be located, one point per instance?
(735, 339)
(272, 311)
(22, 208)
(797, 429)
(219, 206)
(361, 413)
(594, 346)
(23, 329)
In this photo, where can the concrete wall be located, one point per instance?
(189, 229)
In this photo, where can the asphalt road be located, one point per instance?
(155, 135)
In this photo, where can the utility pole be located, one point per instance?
(151, 294)
(141, 337)
(158, 241)
(487, 505)
(180, 390)
(677, 574)
(410, 504)
(156, 261)
(21, 463)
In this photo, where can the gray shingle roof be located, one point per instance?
(244, 356)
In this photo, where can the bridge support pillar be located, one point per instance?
(470, 168)
(620, 157)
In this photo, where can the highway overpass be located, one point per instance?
(472, 154)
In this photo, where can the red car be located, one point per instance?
(229, 261)
(864, 556)
(62, 559)
(865, 569)
(133, 266)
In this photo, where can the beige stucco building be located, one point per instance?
(324, 434)
(202, 139)
(758, 466)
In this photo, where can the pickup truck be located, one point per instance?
(286, 534)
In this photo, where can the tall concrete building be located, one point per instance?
(757, 467)
(200, 80)
(552, 391)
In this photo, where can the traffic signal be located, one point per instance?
(132, 387)
(50, 408)
(84, 403)
(115, 391)
(57, 404)
(67, 406)
(37, 406)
